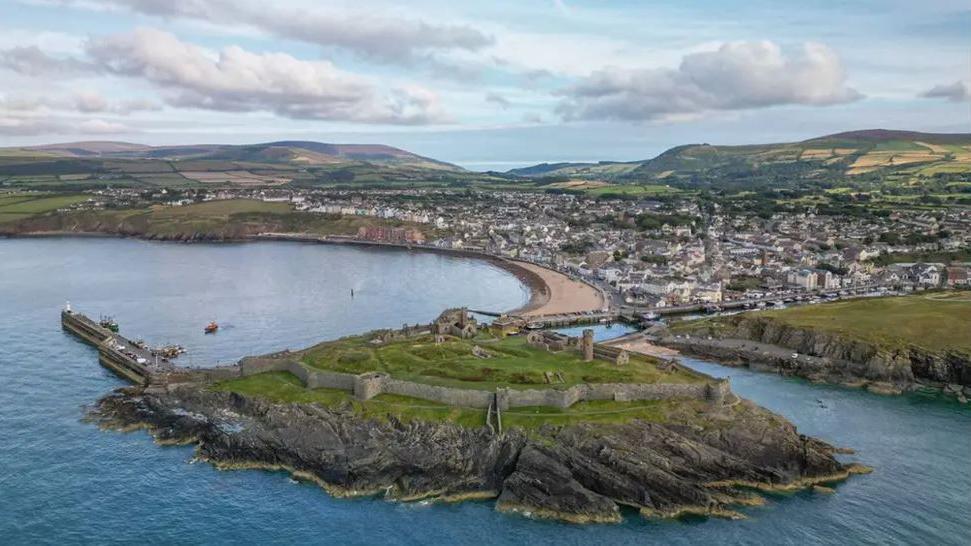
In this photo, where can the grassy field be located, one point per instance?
(287, 388)
(935, 321)
(943, 256)
(18, 206)
(513, 363)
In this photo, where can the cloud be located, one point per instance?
(374, 36)
(84, 102)
(955, 92)
(102, 127)
(31, 126)
(32, 61)
(236, 80)
(736, 76)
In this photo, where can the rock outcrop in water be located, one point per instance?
(579, 473)
(827, 357)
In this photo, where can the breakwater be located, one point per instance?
(115, 352)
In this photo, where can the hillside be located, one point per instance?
(851, 158)
(82, 165)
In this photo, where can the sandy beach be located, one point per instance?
(558, 293)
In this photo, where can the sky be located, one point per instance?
(487, 84)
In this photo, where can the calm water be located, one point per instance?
(64, 481)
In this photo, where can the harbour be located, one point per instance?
(112, 487)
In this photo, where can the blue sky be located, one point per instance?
(486, 84)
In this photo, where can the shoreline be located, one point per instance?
(539, 282)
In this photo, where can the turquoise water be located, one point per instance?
(64, 481)
(601, 332)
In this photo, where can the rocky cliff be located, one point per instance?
(825, 356)
(580, 473)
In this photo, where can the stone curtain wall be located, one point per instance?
(371, 384)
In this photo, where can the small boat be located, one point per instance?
(535, 325)
(211, 328)
(109, 323)
(169, 351)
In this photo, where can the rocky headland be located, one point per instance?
(767, 343)
(583, 473)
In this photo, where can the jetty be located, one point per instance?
(115, 352)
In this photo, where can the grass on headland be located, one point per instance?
(935, 321)
(513, 363)
(17, 206)
(286, 388)
(223, 219)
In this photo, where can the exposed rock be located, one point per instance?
(826, 357)
(580, 473)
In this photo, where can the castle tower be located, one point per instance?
(586, 345)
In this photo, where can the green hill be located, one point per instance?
(852, 158)
(83, 165)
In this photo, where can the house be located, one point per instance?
(957, 275)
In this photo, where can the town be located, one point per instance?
(649, 253)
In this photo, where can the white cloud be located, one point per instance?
(382, 37)
(236, 80)
(738, 75)
(102, 127)
(59, 125)
(954, 92)
(33, 61)
(85, 102)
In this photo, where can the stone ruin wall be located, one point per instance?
(368, 385)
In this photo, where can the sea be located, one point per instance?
(65, 481)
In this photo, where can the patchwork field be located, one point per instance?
(19, 206)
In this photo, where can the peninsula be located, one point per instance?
(547, 425)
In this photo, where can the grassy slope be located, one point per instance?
(933, 321)
(16, 207)
(901, 156)
(220, 219)
(514, 363)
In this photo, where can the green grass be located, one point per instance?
(220, 209)
(636, 190)
(934, 321)
(16, 207)
(286, 388)
(943, 256)
(226, 219)
(514, 363)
